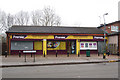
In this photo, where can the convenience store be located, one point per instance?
(49, 39)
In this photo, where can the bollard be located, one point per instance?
(56, 53)
(68, 54)
(19, 54)
(108, 53)
(25, 57)
(98, 54)
(5, 53)
(34, 58)
(78, 53)
(31, 54)
(44, 53)
(104, 56)
(118, 53)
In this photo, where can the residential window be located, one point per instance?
(114, 28)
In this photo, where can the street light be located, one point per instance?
(104, 52)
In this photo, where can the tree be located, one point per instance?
(45, 17)
(36, 17)
(21, 18)
(3, 26)
(10, 20)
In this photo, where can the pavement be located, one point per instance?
(40, 60)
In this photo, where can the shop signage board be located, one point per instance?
(98, 37)
(19, 36)
(39, 37)
(60, 37)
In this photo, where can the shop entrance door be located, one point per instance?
(71, 47)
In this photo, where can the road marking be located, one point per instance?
(112, 61)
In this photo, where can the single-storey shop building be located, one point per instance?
(49, 39)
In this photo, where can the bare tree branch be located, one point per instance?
(3, 26)
(22, 18)
(46, 17)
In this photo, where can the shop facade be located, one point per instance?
(49, 40)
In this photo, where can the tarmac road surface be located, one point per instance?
(101, 70)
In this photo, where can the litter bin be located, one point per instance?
(88, 53)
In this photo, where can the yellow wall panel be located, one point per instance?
(62, 45)
(38, 45)
(39, 37)
(77, 47)
(79, 37)
(44, 46)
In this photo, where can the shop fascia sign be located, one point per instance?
(98, 37)
(19, 36)
(60, 37)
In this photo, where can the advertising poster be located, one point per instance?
(53, 44)
(49, 45)
(82, 45)
(90, 45)
(94, 45)
(56, 44)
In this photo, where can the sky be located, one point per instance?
(81, 13)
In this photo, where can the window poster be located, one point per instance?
(82, 45)
(49, 45)
(53, 44)
(56, 44)
(94, 45)
(88, 45)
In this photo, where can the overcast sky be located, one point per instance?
(84, 13)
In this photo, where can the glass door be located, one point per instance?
(73, 47)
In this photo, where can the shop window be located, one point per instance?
(88, 45)
(21, 45)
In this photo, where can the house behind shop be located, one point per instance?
(113, 32)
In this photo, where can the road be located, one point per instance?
(101, 70)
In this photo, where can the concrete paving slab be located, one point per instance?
(15, 60)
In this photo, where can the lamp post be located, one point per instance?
(104, 52)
